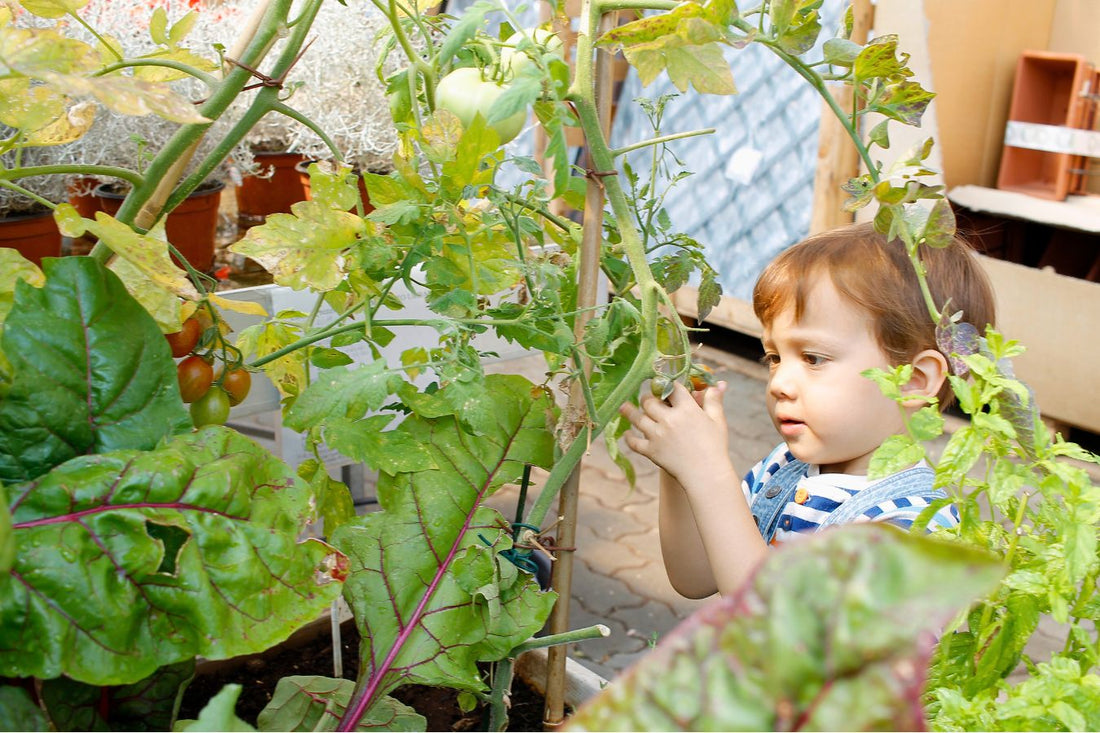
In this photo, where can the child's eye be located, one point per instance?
(769, 360)
(814, 359)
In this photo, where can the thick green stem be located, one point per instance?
(582, 95)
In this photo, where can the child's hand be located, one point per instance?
(686, 436)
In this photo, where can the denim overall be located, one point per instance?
(768, 504)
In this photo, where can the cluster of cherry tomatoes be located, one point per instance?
(210, 393)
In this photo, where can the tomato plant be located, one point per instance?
(195, 376)
(519, 50)
(237, 383)
(465, 93)
(184, 341)
(211, 408)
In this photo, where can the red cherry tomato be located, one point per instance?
(211, 409)
(236, 384)
(195, 377)
(183, 341)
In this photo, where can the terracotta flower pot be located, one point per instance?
(81, 190)
(303, 173)
(35, 235)
(191, 227)
(257, 196)
(1046, 92)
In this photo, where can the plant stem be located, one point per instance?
(210, 81)
(661, 140)
(75, 169)
(597, 631)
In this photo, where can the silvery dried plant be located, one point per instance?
(130, 141)
(51, 188)
(336, 85)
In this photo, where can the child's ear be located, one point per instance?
(929, 373)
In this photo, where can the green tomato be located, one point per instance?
(514, 61)
(465, 94)
(210, 409)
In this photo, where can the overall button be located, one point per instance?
(772, 491)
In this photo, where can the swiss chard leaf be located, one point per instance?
(430, 594)
(832, 632)
(317, 703)
(148, 704)
(18, 711)
(132, 560)
(93, 372)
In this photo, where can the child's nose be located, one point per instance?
(781, 384)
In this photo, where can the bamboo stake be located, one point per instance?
(575, 415)
(837, 158)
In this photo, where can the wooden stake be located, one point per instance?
(837, 159)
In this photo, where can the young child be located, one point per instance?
(832, 306)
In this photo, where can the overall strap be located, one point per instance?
(769, 502)
(916, 481)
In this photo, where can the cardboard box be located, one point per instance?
(973, 49)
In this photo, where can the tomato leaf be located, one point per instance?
(429, 560)
(92, 372)
(344, 393)
(683, 41)
(303, 249)
(190, 549)
(804, 645)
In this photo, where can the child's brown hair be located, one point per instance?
(877, 276)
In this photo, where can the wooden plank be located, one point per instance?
(837, 158)
(732, 313)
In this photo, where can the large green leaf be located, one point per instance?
(133, 560)
(18, 711)
(318, 703)
(146, 705)
(832, 633)
(92, 372)
(430, 594)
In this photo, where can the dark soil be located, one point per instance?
(259, 673)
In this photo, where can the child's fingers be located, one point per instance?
(636, 417)
(679, 395)
(712, 401)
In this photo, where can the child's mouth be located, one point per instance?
(790, 428)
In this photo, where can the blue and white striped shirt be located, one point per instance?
(819, 495)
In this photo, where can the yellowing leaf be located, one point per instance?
(287, 373)
(146, 253)
(70, 126)
(29, 108)
(703, 67)
(163, 305)
(33, 52)
(135, 97)
(305, 248)
(238, 306)
(53, 8)
(161, 73)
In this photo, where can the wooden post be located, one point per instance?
(575, 414)
(837, 158)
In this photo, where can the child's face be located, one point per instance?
(825, 410)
